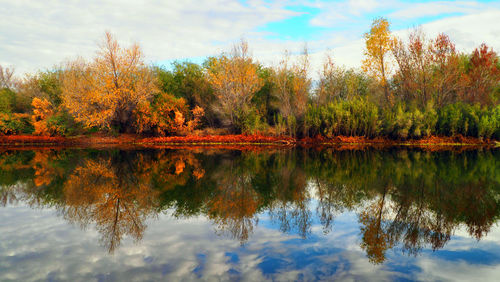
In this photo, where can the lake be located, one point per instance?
(250, 214)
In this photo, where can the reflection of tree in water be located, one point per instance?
(25, 176)
(375, 241)
(404, 198)
(234, 203)
(119, 193)
(291, 206)
(112, 197)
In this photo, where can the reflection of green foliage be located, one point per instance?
(13, 167)
(413, 197)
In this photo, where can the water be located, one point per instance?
(252, 215)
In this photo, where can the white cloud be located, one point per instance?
(40, 34)
(469, 31)
(466, 31)
(38, 245)
(37, 35)
(418, 10)
(441, 270)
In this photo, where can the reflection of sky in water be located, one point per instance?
(38, 244)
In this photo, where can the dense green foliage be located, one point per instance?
(469, 120)
(350, 118)
(12, 124)
(362, 118)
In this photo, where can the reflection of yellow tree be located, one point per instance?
(478, 208)
(119, 195)
(112, 197)
(169, 170)
(375, 240)
(44, 173)
(234, 205)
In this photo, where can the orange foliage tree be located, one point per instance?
(167, 115)
(106, 91)
(448, 72)
(42, 110)
(483, 76)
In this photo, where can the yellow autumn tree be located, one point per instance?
(105, 92)
(235, 80)
(378, 43)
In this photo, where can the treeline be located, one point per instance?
(406, 89)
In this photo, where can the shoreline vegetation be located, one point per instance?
(410, 91)
(240, 140)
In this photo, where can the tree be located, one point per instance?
(418, 48)
(187, 80)
(264, 100)
(378, 45)
(338, 83)
(42, 85)
(292, 86)
(414, 60)
(42, 110)
(105, 92)
(7, 78)
(7, 94)
(167, 115)
(448, 71)
(235, 80)
(483, 76)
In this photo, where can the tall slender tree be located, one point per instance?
(378, 43)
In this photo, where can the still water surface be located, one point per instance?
(270, 214)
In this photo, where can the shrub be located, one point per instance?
(167, 115)
(7, 100)
(350, 118)
(251, 122)
(469, 120)
(15, 124)
(402, 123)
(62, 123)
(49, 120)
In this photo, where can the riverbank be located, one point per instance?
(23, 140)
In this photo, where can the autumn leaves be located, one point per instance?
(105, 92)
(426, 70)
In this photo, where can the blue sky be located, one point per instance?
(39, 35)
(302, 26)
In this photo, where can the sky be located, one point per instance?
(38, 35)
